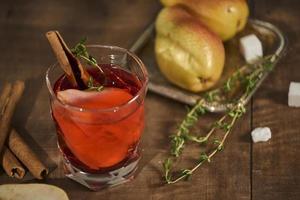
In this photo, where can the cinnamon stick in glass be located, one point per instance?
(16, 93)
(23, 152)
(11, 165)
(71, 65)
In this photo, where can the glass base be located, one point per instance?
(98, 181)
(103, 180)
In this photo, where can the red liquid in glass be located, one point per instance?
(96, 141)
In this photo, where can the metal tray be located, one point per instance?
(273, 41)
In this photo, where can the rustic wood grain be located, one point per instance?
(25, 54)
(275, 164)
(111, 23)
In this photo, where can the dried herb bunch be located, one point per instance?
(247, 78)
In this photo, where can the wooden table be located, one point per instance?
(244, 170)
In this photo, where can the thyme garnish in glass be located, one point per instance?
(80, 51)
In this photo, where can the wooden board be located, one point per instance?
(275, 164)
(233, 174)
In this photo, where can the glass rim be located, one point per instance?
(115, 108)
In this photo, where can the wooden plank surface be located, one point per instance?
(25, 54)
(275, 164)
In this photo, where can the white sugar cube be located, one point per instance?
(261, 134)
(251, 48)
(294, 94)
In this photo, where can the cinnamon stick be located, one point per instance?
(23, 152)
(16, 93)
(4, 96)
(76, 73)
(11, 165)
(9, 162)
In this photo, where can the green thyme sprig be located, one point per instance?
(80, 51)
(204, 156)
(182, 134)
(248, 77)
(93, 87)
(178, 140)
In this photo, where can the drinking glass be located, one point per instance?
(100, 147)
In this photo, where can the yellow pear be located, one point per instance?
(188, 54)
(224, 17)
